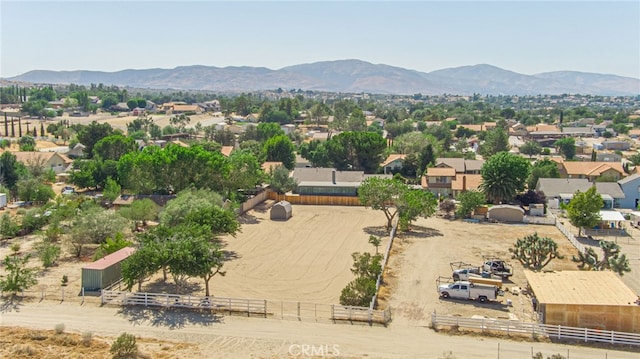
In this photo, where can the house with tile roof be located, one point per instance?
(591, 170)
(393, 163)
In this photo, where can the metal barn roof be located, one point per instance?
(580, 287)
(111, 259)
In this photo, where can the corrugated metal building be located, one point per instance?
(105, 271)
(585, 299)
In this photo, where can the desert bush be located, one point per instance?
(86, 338)
(48, 253)
(23, 350)
(124, 347)
(59, 328)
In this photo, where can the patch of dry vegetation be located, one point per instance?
(56, 344)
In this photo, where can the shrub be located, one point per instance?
(59, 329)
(124, 347)
(86, 338)
(48, 253)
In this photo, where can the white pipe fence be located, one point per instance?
(251, 307)
(567, 233)
(535, 329)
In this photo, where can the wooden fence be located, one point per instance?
(316, 200)
(253, 201)
(558, 332)
(290, 310)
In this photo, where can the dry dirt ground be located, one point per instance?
(160, 120)
(425, 253)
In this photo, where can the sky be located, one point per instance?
(527, 37)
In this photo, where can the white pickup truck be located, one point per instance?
(468, 290)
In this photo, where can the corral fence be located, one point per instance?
(558, 332)
(288, 310)
(567, 233)
(316, 200)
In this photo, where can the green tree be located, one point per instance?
(280, 180)
(393, 198)
(360, 291)
(375, 241)
(94, 225)
(535, 252)
(503, 175)
(542, 169)
(111, 245)
(584, 209)
(91, 134)
(635, 159)
(496, 140)
(141, 210)
(612, 259)
(18, 276)
(245, 172)
(280, 149)
(567, 147)
(531, 148)
(316, 153)
(10, 169)
(356, 151)
(113, 147)
(469, 201)
(111, 190)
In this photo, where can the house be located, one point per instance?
(591, 170)
(288, 128)
(53, 160)
(561, 190)
(630, 186)
(178, 109)
(120, 107)
(253, 117)
(461, 165)
(439, 181)
(330, 182)
(568, 298)
(393, 163)
(226, 150)
(465, 182)
(267, 167)
(77, 151)
(608, 157)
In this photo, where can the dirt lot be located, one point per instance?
(425, 253)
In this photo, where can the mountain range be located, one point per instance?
(350, 76)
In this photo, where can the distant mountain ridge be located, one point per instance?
(350, 76)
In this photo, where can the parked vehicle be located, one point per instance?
(469, 290)
(464, 271)
(3, 200)
(497, 267)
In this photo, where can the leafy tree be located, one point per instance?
(584, 209)
(375, 241)
(141, 210)
(469, 201)
(315, 152)
(8, 227)
(265, 131)
(94, 225)
(280, 149)
(447, 206)
(496, 140)
(18, 277)
(48, 253)
(113, 147)
(530, 197)
(111, 245)
(280, 180)
(27, 143)
(531, 148)
(393, 198)
(245, 172)
(412, 204)
(356, 151)
(361, 290)
(567, 147)
(83, 174)
(535, 252)
(612, 259)
(635, 159)
(542, 169)
(143, 263)
(10, 169)
(91, 134)
(206, 261)
(111, 190)
(33, 190)
(176, 210)
(503, 175)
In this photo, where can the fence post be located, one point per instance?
(585, 335)
(298, 310)
(265, 308)
(333, 317)
(559, 331)
(612, 337)
(82, 289)
(248, 308)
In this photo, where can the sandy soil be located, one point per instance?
(160, 120)
(307, 258)
(425, 253)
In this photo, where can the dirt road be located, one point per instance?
(238, 337)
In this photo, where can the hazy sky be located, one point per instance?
(523, 36)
